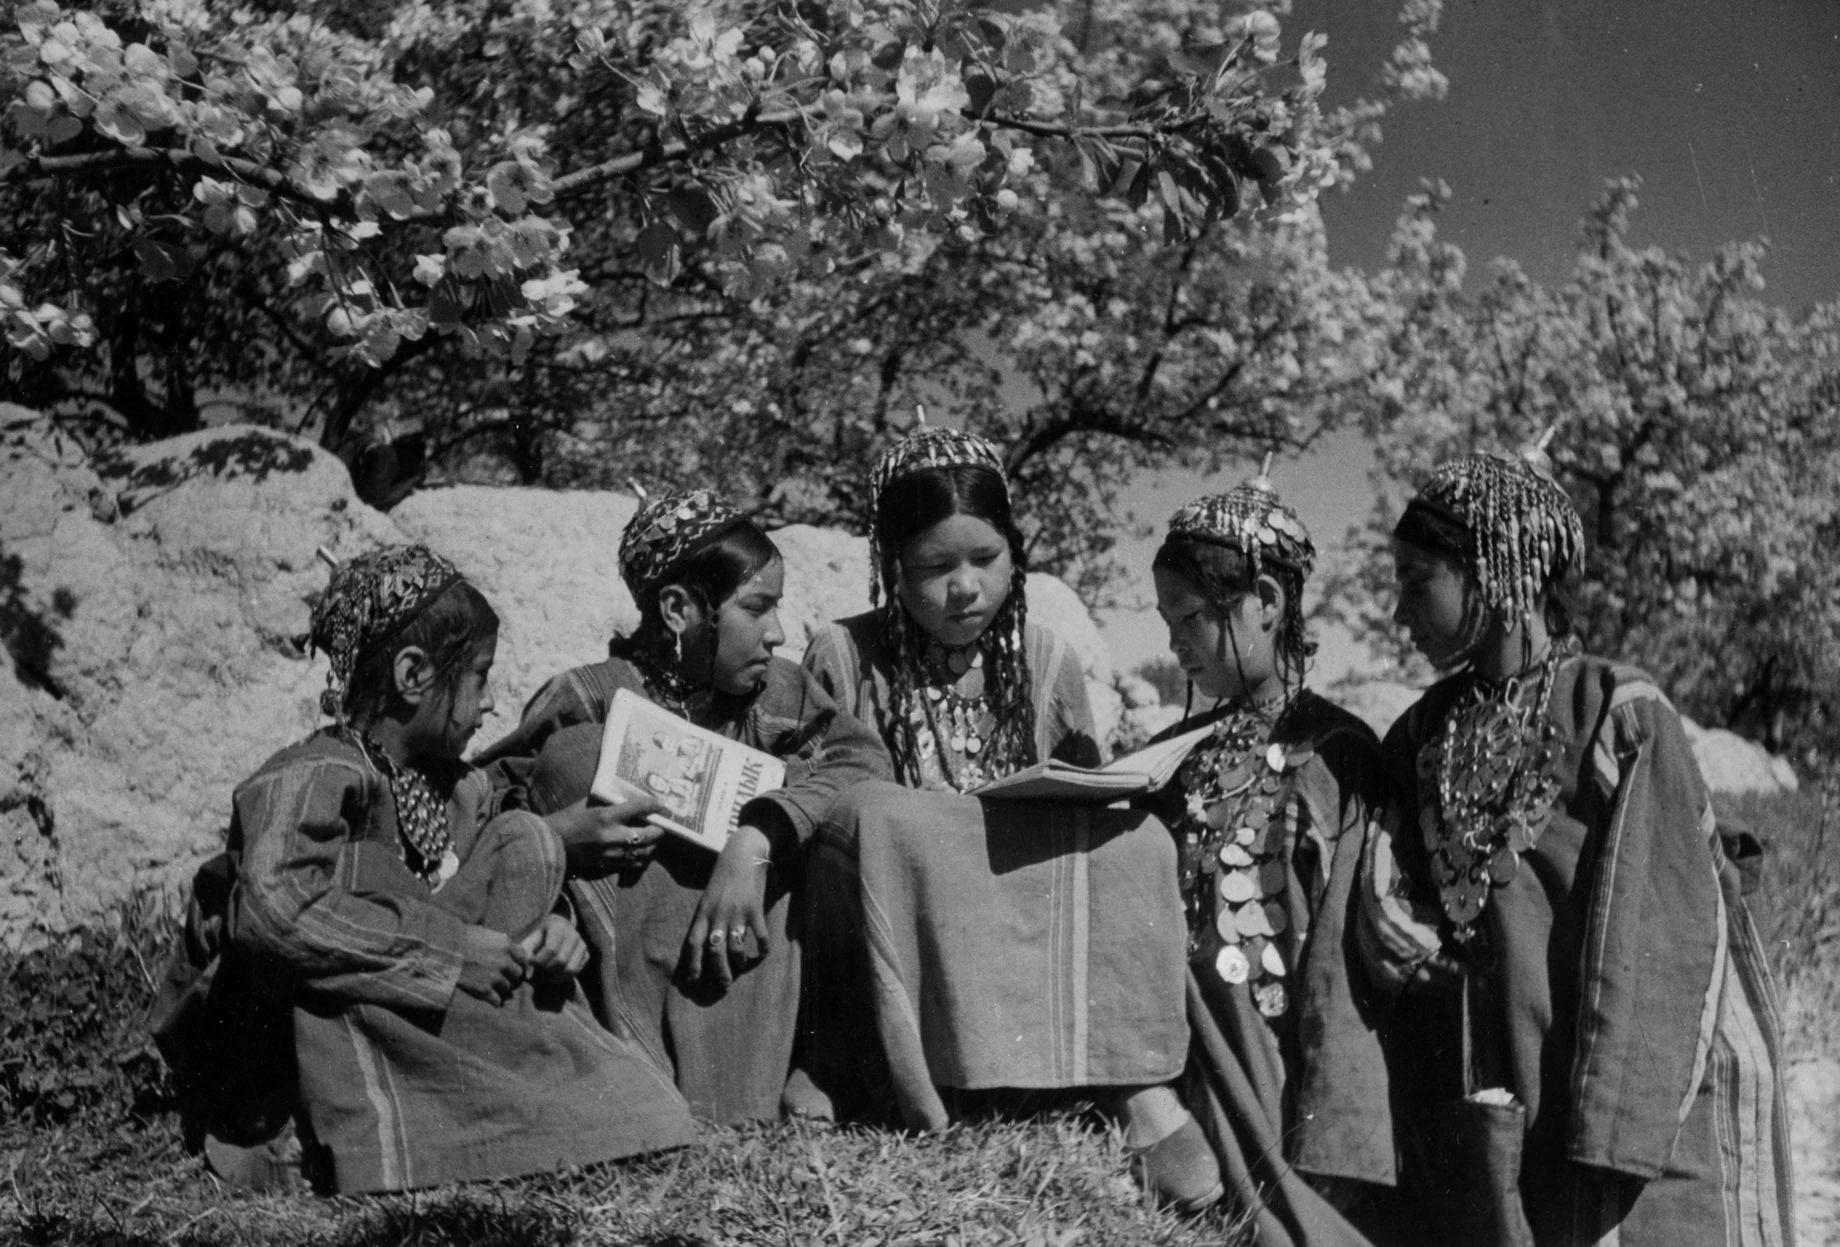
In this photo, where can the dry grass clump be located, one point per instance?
(90, 1155)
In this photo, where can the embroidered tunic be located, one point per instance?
(1285, 1072)
(406, 1081)
(987, 944)
(730, 1050)
(1616, 985)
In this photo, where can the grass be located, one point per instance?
(90, 1155)
(1051, 1180)
(1796, 903)
(90, 1152)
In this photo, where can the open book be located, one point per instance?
(1144, 771)
(702, 779)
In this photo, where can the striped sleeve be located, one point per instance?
(1654, 943)
(306, 898)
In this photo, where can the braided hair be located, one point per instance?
(909, 506)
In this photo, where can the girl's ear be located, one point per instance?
(1271, 602)
(410, 673)
(678, 609)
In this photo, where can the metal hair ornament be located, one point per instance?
(1250, 518)
(928, 446)
(1523, 527)
(665, 530)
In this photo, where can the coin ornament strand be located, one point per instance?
(1494, 770)
(952, 727)
(426, 841)
(1233, 874)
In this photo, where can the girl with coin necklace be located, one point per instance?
(1270, 811)
(437, 1032)
(1038, 949)
(1585, 1025)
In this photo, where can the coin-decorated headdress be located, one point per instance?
(668, 529)
(1250, 518)
(1517, 527)
(370, 599)
(929, 446)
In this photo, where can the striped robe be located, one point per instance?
(406, 1081)
(729, 1048)
(976, 945)
(1628, 1005)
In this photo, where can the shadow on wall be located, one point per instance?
(256, 454)
(31, 637)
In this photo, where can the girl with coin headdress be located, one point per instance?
(1586, 1030)
(693, 955)
(437, 1029)
(1014, 944)
(1270, 811)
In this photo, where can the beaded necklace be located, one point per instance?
(425, 839)
(1232, 872)
(952, 727)
(1493, 772)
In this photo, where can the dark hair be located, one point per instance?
(907, 508)
(710, 574)
(1438, 530)
(1223, 575)
(448, 630)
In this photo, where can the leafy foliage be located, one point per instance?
(73, 1040)
(1699, 434)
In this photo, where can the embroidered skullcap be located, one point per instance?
(370, 599)
(1250, 518)
(1521, 529)
(667, 530)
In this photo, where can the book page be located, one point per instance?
(701, 778)
(1144, 771)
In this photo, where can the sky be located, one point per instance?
(1729, 112)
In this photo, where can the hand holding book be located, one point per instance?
(602, 837)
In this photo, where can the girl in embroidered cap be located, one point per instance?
(438, 1031)
(692, 953)
(1270, 813)
(1584, 1012)
(1033, 943)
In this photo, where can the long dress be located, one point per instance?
(977, 945)
(404, 1080)
(1615, 985)
(1285, 1072)
(729, 1050)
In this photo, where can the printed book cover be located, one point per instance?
(701, 778)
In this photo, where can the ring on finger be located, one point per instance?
(737, 934)
(716, 939)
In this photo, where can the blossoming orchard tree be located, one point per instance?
(731, 240)
(1698, 429)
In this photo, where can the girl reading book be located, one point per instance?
(693, 956)
(1285, 1070)
(1586, 1028)
(1022, 944)
(437, 1026)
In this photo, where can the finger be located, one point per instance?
(757, 923)
(578, 958)
(693, 946)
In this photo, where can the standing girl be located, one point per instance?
(1584, 1004)
(1270, 811)
(693, 956)
(437, 1028)
(1013, 944)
